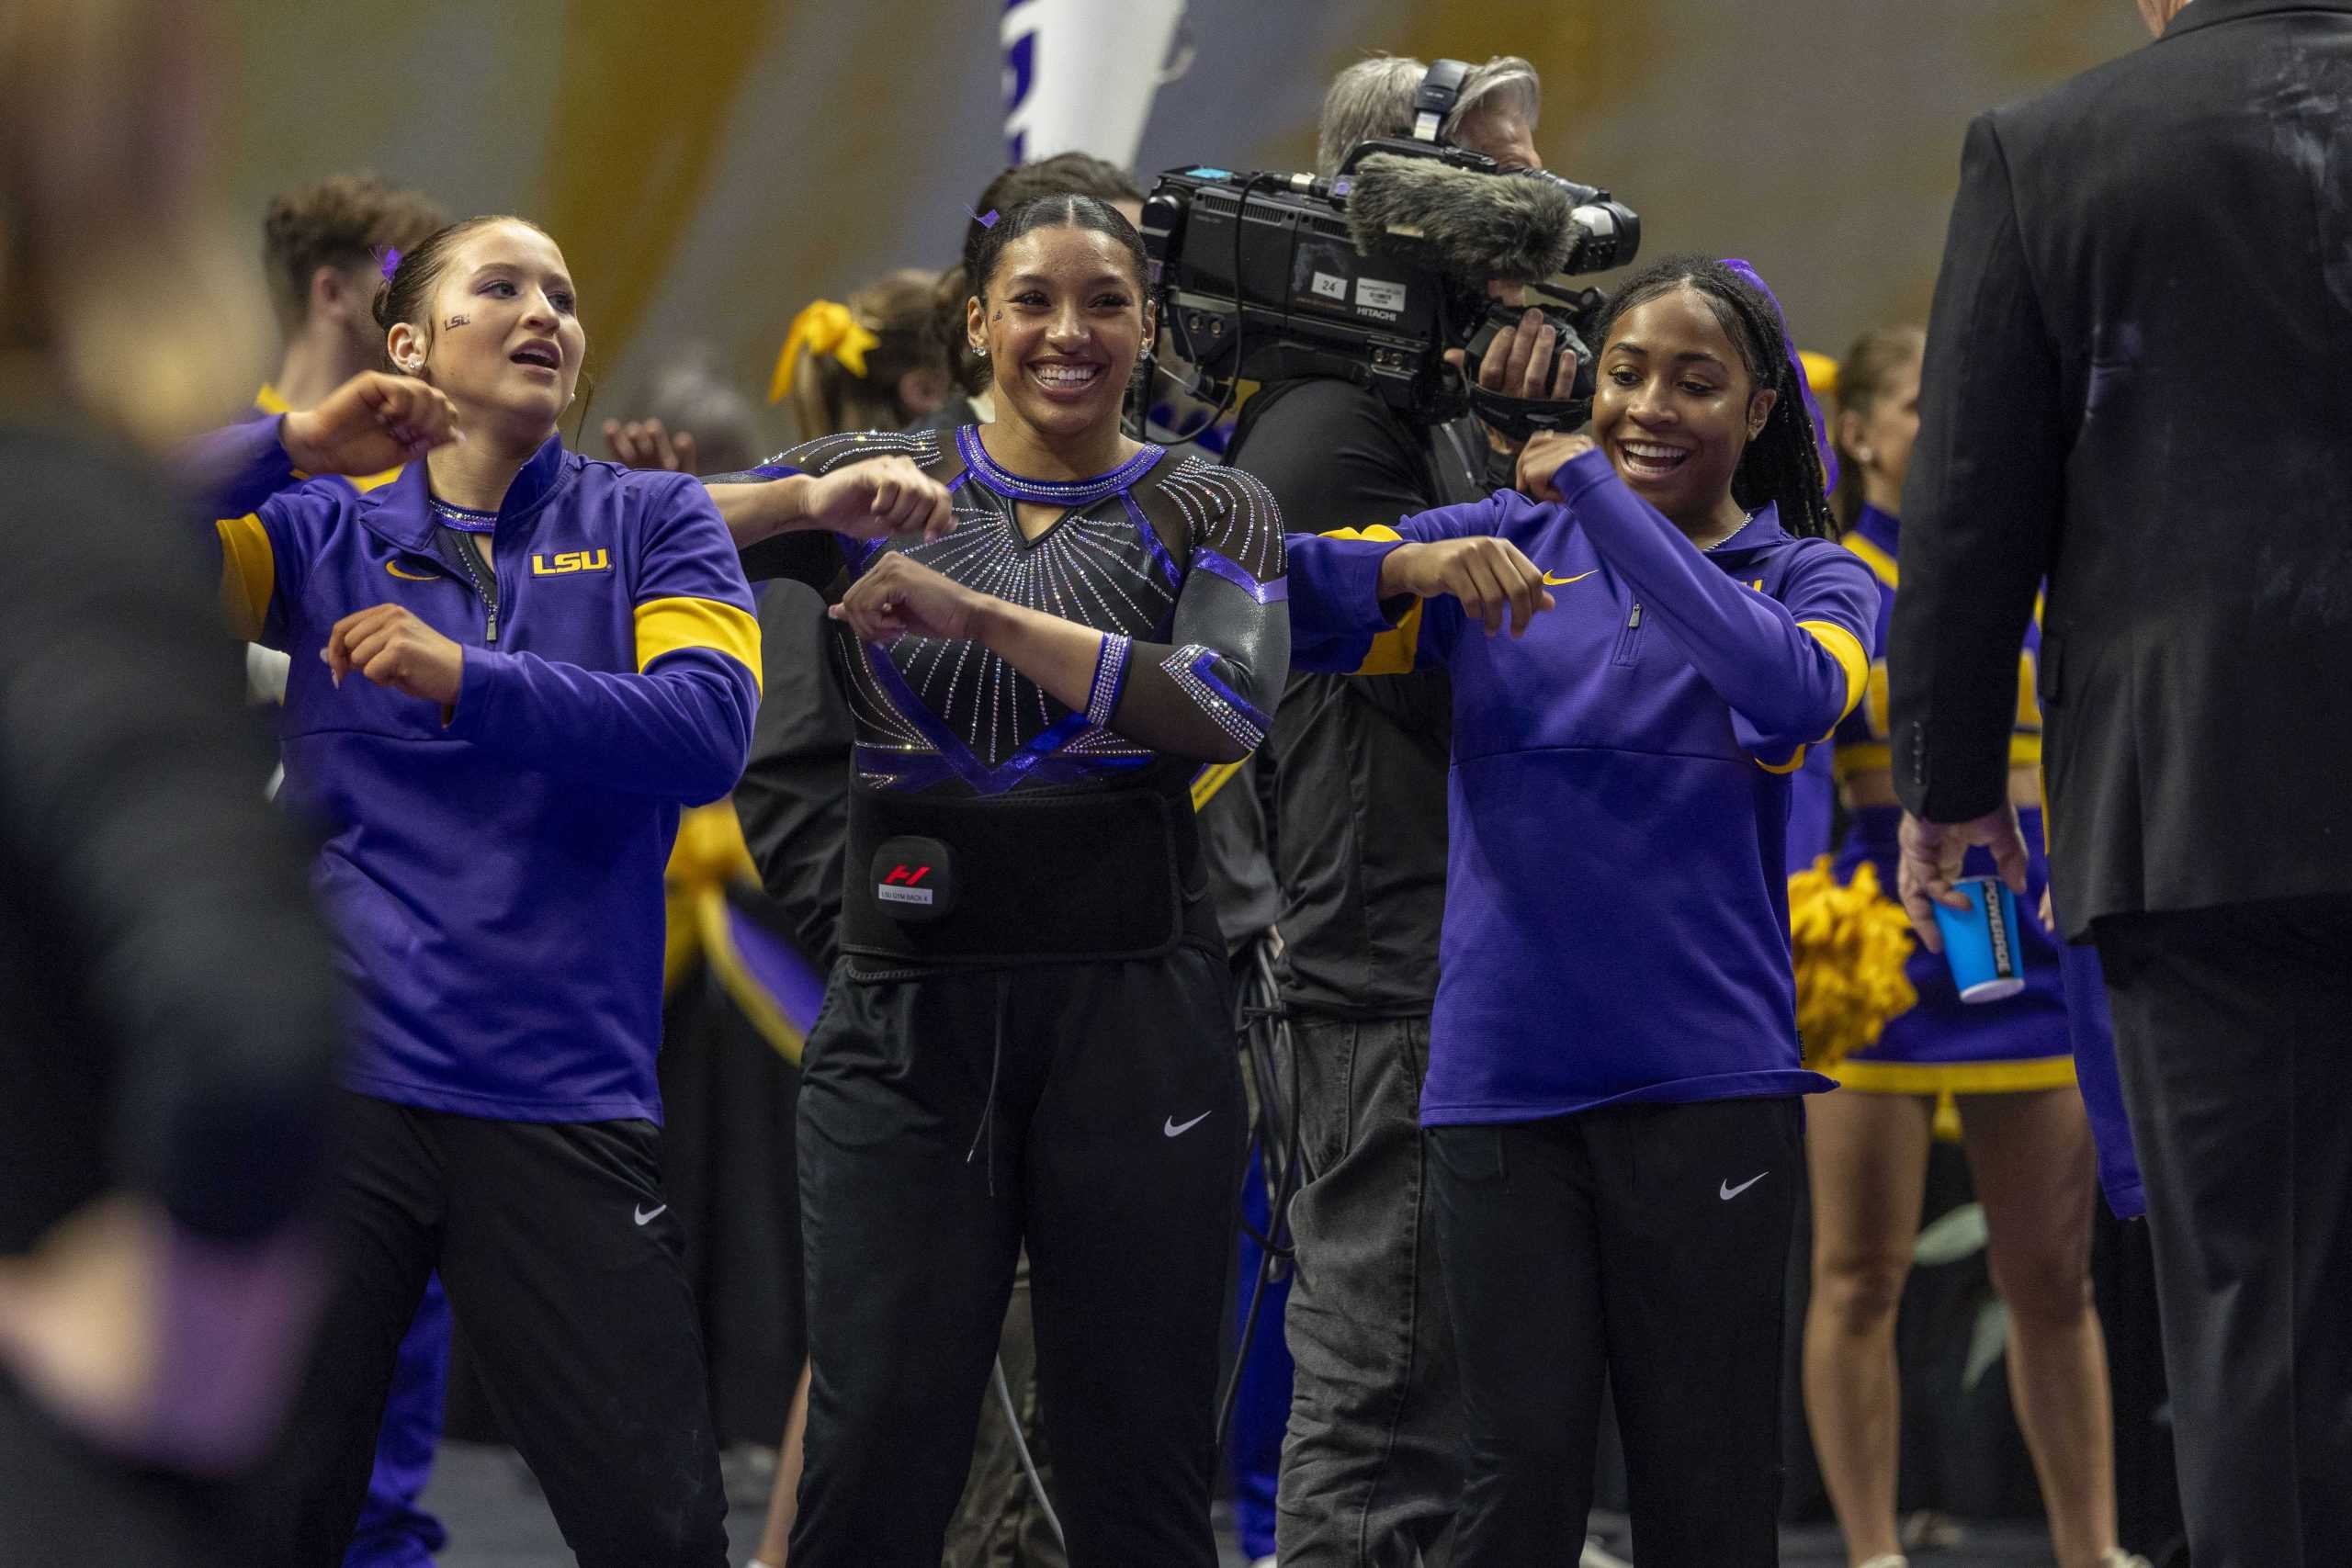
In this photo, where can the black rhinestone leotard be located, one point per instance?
(1177, 560)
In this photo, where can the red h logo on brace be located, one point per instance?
(902, 878)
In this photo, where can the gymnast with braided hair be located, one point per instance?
(1029, 1036)
(1612, 1101)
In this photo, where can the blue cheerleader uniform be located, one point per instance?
(1944, 1046)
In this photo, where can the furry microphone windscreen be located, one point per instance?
(1473, 226)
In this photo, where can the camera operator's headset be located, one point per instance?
(1440, 89)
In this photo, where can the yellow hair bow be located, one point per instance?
(1822, 371)
(824, 327)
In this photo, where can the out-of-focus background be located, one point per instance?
(710, 166)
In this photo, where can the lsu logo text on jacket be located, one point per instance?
(566, 561)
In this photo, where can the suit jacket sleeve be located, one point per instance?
(1982, 504)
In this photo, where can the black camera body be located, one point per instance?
(1266, 276)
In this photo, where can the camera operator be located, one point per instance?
(1371, 1472)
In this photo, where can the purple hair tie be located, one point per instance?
(392, 261)
(1821, 443)
(985, 219)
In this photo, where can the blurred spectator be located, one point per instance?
(870, 364)
(322, 250)
(323, 247)
(719, 424)
(166, 1090)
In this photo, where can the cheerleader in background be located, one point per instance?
(871, 362)
(1812, 788)
(2010, 1067)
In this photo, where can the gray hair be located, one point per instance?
(1375, 97)
(689, 394)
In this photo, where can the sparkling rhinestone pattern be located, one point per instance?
(465, 519)
(1110, 678)
(931, 710)
(1193, 668)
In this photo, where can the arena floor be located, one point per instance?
(497, 1520)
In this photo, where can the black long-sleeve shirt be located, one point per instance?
(793, 798)
(168, 1015)
(1357, 763)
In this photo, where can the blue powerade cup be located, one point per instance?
(1981, 943)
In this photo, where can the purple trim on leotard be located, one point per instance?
(1159, 555)
(1233, 571)
(1050, 492)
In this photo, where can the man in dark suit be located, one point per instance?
(2136, 389)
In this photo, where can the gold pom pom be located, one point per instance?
(1850, 943)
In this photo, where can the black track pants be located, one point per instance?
(1647, 1242)
(1093, 1109)
(564, 1268)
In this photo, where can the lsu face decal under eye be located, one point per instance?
(565, 562)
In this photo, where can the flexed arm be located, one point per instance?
(784, 520)
(1205, 695)
(681, 726)
(372, 423)
(1789, 671)
(1366, 598)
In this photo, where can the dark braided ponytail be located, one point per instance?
(1783, 464)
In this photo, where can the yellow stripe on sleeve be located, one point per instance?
(248, 573)
(666, 625)
(1881, 564)
(1790, 766)
(1861, 757)
(1394, 651)
(1846, 649)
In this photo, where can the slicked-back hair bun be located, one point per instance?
(985, 247)
(404, 296)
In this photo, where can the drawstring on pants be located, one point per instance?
(986, 1128)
